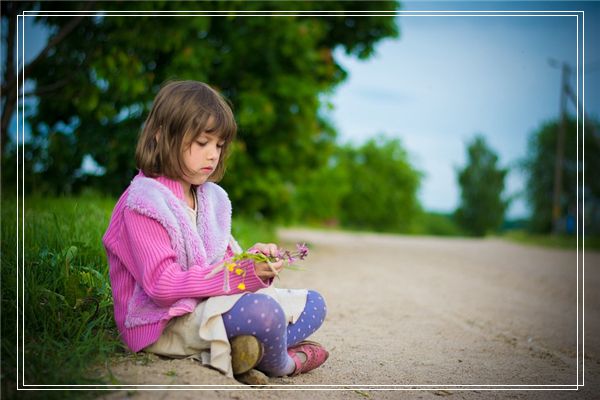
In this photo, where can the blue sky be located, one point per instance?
(448, 78)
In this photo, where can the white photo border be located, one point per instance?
(20, 228)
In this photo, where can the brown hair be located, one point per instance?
(181, 111)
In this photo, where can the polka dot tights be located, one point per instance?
(261, 316)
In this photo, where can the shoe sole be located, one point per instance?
(246, 353)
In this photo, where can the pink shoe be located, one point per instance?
(316, 355)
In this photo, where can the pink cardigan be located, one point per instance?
(158, 264)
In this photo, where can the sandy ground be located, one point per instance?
(424, 311)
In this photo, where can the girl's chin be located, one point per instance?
(199, 180)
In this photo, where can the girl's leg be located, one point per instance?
(261, 316)
(310, 320)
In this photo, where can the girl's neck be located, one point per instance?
(187, 194)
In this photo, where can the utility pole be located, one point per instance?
(560, 150)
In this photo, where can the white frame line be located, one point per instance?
(21, 206)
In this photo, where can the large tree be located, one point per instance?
(99, 79)
(482, 207)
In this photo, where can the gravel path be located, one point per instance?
(426, 311)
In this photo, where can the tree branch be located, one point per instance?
(53, 42)
(42, 90)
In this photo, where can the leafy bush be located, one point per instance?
(436, 224)
(372, 186)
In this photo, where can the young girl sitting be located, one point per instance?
(169, 234)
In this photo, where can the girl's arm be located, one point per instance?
(147, 253)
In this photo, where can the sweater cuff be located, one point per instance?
(253, 282)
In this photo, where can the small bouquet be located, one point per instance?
(234, 263)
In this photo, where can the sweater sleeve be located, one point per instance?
(146, 250)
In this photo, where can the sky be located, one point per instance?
(446, 79)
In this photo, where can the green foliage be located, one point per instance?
(436, 224)
(248, 231)
(539, 167)
(319, 199)
(372, 186)
(273, 69)
(384, 187)
(481, 181)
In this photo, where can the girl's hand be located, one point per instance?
(264, 270)
(268, 249)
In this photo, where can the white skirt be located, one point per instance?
(201, 334)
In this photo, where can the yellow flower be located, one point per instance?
(241, 286)
(238, 271)
(230, 266)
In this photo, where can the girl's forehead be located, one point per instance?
(212, 128)
(210, 134)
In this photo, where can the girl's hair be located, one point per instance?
(182, 110)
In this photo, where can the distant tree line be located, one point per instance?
(580, 181)
(483, 205)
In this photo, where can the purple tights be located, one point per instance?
(261, 316)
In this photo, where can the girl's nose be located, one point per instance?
(214, 153)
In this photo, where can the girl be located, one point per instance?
(168, 236)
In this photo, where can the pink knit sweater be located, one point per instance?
(159, 261)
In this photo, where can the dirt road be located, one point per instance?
(427, 311)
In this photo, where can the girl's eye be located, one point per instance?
(201, 143)
(220, 145)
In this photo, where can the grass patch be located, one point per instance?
(67, 303)
(556, 241)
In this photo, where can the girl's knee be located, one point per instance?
(263, 309)
(317, 302)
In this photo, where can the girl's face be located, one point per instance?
(202, 157)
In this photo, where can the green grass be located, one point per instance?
(556, 241)
(67, 301)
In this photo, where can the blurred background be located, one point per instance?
(432, 124)
(428, 124)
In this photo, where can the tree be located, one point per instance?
(539, 169)
(481, 182)
(383, 187)
(273, 69)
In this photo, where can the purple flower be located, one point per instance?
(302, 250)
(281, 254)
(291, 257)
